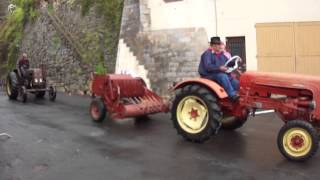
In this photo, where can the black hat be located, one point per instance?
(215, 40)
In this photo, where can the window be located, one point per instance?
(237, 46)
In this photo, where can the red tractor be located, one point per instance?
(201, 107)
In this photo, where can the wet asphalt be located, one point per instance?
(58, 141)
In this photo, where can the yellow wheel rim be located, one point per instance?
(192, 114)
(297, 142)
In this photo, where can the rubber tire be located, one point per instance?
(24, 97)
(12, 80)
(40, 94)
(233, 124)
(214, 111)
(309, 128)
(24, 94)
(102, 110)
(52, 94)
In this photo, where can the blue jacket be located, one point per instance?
(211, 63)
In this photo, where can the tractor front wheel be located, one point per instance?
(24, 94)
(196, 113)
(298, 140)
(52, 93)
(97, 110)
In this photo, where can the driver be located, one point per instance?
(23, 65)
(212, 66)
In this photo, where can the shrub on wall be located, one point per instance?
(12, 30)
(111, 11)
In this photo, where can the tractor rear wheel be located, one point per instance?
(98, 110)
(12, 86)
(298, 140)
(232, 122)
(196, 113)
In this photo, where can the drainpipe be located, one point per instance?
(216, 16)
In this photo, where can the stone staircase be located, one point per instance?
(129, 62)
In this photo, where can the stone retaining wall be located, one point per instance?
(45, 44)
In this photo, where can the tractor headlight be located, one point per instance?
(36, 80)
(40, 80)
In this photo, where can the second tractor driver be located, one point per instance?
(23, 65)
(212, 66)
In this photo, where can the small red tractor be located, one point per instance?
(123, 96)
(34, 81)
(201, 107)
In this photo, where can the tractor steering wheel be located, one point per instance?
(233, 64)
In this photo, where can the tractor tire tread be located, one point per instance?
(102, 110)
(213, 109)
(306, 126)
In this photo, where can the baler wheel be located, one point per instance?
(12, 86)
(298, 140)
(196, 113)
(232, 122)
(97, 110)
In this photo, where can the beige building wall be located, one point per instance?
(239, 18)
(235, 17)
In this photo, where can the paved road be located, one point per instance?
(58, 141)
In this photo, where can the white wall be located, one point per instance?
(182, 14)
(235, 17)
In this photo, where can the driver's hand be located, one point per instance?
(223, 68)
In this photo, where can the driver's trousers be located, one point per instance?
(230, 84)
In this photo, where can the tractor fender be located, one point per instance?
(211, 85)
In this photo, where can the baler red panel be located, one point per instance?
(129, 86)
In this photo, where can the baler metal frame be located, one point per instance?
(124, 96)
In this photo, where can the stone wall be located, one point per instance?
(45, 44)
(167, 56)
(3, 9)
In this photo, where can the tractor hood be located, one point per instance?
(283, 80)
(295, 81)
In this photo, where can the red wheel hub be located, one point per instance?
(194, 114)
(95, 111)
(297, 141)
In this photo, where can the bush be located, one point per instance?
(12, 31)
(100, 69)
(111, 11)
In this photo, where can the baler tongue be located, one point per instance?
(126, 96)
(149, 103)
